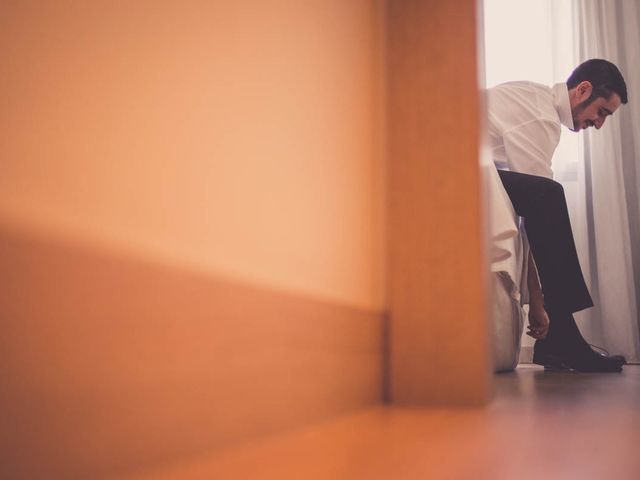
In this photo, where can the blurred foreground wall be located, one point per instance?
(191, 226)
(196, 199)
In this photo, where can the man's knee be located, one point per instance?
(548, 190)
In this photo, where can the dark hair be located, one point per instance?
(603, 75)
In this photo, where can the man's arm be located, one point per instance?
(538, 318)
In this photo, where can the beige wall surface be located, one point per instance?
(240, 138)
(191, 226)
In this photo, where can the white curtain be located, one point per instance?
(604, 205)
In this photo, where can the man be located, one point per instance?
(524, 129)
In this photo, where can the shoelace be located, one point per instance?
(605, 351)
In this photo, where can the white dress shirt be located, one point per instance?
(524, 120)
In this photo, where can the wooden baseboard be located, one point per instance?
(111, 363)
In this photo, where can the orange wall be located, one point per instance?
(242, 138)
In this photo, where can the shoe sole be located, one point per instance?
(554, 363)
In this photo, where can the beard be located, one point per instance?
(578, 109)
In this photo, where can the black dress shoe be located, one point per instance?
(601, 351)
(550, 361)
(621, 359)
(583, 361)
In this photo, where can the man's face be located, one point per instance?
(593, 113)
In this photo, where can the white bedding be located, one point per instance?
(508, 254)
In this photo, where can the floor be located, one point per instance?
(541, 425)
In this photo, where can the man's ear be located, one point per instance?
(583, 91)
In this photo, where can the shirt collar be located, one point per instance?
(562, 105)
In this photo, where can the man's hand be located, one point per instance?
(538, 322)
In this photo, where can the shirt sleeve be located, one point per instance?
(529, 147)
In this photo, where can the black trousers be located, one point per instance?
(546, 219)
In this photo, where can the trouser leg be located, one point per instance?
(542, 203)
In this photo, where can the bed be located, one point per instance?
(507, 254)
